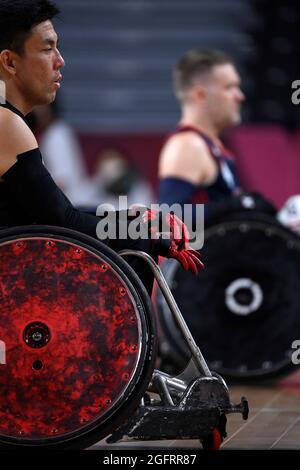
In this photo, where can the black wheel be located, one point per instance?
(77, 339)
(243, 308)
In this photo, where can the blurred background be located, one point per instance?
(117, 91)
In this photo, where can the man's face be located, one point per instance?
(223, 96)
(38, 68)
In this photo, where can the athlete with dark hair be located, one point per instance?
(30, 67)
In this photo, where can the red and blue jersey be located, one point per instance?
(176, 190)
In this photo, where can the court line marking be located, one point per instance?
(286, 431)
(249, 421)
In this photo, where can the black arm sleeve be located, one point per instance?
(35, 193)
(40, 200)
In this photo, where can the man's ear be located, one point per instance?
(198, 93)
(8, 61)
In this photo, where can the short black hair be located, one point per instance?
(193, 64)
(17, 17)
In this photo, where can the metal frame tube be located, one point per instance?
(195, 351)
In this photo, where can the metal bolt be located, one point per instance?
(37, 336)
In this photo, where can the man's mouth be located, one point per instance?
(58, 80)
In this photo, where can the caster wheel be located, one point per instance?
(213, 441)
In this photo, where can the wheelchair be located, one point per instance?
(243, 309)
(78, 347)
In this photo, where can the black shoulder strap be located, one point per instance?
(12, 108)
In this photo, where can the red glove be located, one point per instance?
(177, 233)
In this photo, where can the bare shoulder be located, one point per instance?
(184, 142)
(14, 132)
(15, 138)
(185, 155)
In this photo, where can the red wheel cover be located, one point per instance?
(71, 338)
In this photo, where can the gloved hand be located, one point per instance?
(159, 223)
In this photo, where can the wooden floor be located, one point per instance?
(273, 423)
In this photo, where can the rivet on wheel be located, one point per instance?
(108, 401)
(266, 364)
(54, 431)
(133, 347)
(49, 243)
(122, 291)
(244, 228)
(19, 244)
(104, 267)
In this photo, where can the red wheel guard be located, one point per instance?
(71, 335)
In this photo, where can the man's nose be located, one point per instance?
(60, 60)
(241, 96)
